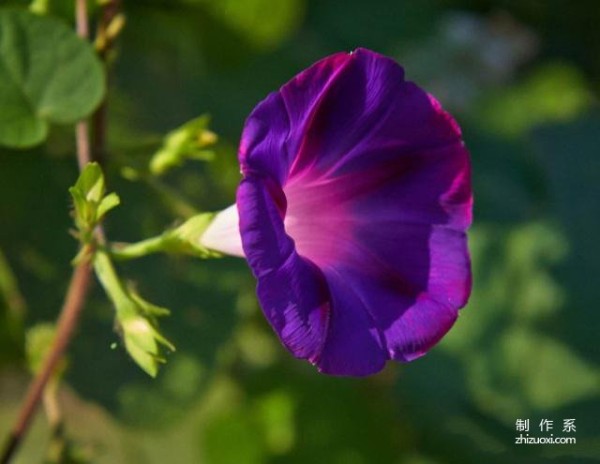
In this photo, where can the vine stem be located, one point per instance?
(76, 293)
(67, 322)
(84, 154)
(125, 251)
(104, 44)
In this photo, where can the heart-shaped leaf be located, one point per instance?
(47, 75)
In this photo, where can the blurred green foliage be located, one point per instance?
(522, 78)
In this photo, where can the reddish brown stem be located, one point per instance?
(81, 19)
(99, 119)
(84, 154)
(67, 322)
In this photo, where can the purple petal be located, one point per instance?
(274, 130)
(291, 290)
(353, 214)
(412, 280)
(263, 148)
(354, 345)
(265, 243)
(295, 300)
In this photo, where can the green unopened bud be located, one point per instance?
(115, 27)
(39, 7)
(136, 317)
(143, 341)
(89, 200)
(207, 137)
(189, 141)
(91, 182)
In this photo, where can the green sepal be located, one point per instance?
(109, 202)
(148, 309)
(184, 239)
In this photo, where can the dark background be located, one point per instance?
(522, 78)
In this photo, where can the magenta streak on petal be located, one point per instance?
(312, 86)
(330, 131)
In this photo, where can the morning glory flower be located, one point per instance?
(352, 213)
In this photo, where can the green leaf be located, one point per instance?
(79, 202)
(109, 202)
(47, 75)
(91, 182)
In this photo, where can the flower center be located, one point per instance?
(317, 219)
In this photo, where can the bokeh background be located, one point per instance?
(521, 76)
